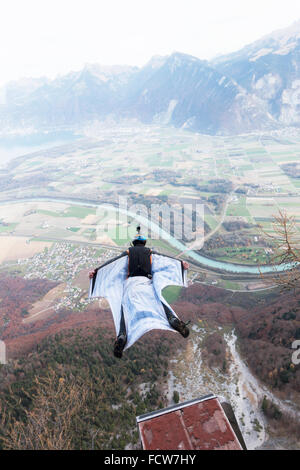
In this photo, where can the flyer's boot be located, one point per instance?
(180, 326)
(119, 345)
(175, 323)
(121, 340)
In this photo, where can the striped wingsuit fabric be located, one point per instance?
(140, 297)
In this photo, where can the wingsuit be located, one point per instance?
(133, 283)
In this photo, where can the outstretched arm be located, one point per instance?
(185, 264)
(162, 262)
(92, 273)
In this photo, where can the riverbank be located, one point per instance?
(193, 255)
(191, 377)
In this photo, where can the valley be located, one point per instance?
(239, 181)
(60, 216)
(204, 155)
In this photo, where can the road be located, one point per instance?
(212, 232)
(202, 260)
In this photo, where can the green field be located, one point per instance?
(171, 293)
(238, 209)
(170, 164)
(211, 221)
(7, 228)
(73, 211)
(254, 255)
(79, 212)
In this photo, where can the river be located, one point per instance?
(207, 262)
(192, 378)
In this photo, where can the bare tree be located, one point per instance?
(286, 243)
(48, 424)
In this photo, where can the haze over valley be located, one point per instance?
(254, 89)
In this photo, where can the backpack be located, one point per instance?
(139, 261)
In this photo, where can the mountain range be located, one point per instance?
(256, 88)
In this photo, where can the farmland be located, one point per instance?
(251, 174)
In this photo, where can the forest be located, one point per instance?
(72, 393)
(63, 388)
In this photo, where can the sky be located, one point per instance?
(54, 37)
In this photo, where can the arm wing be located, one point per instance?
(170, 268)
(108, 282)
(111, 270)
(167, 271)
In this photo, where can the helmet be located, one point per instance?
(139, 239)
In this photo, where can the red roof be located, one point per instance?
(195, 425)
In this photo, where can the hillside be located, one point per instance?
(76, 348)
(110, 389)
(266, 324)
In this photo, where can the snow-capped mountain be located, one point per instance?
(185, 91)
(269, 69)
(256, 88)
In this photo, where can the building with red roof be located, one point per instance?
(200, 424)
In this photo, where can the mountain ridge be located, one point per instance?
(253, 89)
